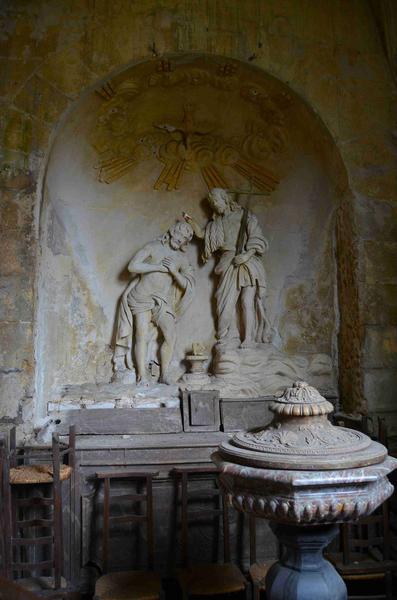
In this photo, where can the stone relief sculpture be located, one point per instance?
(160, 292)
(235, 235)
(230, 128)
(147, 118)
(245, 361)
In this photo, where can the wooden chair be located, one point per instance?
(129, 585)
(363, 423)
(365, 553)
(257, 570)
(375, 428)
(365, 546)
(32, 483)
(207, 579)
(382, 436)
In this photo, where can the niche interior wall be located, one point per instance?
(329, 55)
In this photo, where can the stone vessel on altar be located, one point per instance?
(305, 475)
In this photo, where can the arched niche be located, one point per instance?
(146, 145)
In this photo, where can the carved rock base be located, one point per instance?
(262, 370)
(115, 395)
(303, 573)
(194, 381)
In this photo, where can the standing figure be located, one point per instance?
(235, 235)
(161, 290)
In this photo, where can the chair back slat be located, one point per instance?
(184, 475)
(226, 528)
(39, 541)
(6, 512)
(360, 543)
(13, 447)
(386, 530)
(184, 520)
(132, 518)
(382, 431)
(33, 567)
(108, 519)
(71, 450)
(344, 530)
(252, 535)
(58, 525)
(150, 519)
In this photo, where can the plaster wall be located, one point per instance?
(330, 54)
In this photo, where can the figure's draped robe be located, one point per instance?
(219, 237)
(132, 303)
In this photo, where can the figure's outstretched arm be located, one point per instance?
(139, 265)
(198, 231)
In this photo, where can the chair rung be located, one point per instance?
(40, 566)
(193, 497)
(196, 470)
(128, 518)
(377, 597)
(37, 501)
(131, 497)
(35, 523)
(204, 513)
(44, 458)
(33, 448)
(39, 541)
(127, 474)
(366, 543)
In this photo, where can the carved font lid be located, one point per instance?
(300, 437)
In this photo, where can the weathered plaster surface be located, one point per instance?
(329, 53)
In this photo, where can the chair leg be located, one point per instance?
(248, 591)
(255, 592)
(389, 585)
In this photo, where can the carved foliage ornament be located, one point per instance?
(315, 439)
(301, 436)
(304, 508)
(300, 469)
(202, 118)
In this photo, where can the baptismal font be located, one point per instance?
(304, 475)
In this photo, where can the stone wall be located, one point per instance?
(329, 53)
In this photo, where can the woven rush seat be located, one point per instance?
(212, 579)
(11, 590)
(361, 566)
(40, 583)
(39, 473)
(128, 585)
